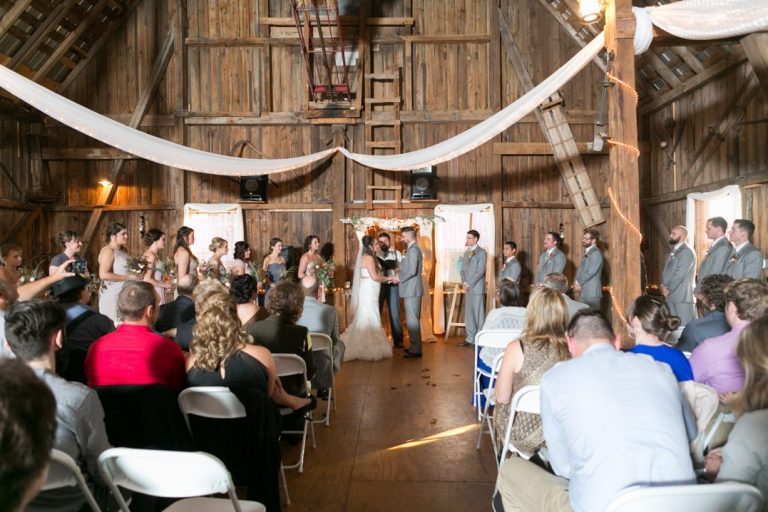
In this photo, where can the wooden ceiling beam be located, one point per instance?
(12, 15)
(570, 31)
(51, 21)
(662, 69)
(69, 41)
(662, 38)
(96, 47)
(756, 49)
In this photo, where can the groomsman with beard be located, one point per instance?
(588, 281)
(390, 293)
(473, 265)
(677, 277)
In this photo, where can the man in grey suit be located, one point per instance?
(321, 318)
(411, 290)
(746, 260)
(473, 265)
(588, 279)
(551, 260)
(677, 277)
(510, 268)
(716, 257)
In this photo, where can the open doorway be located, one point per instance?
(725, 203)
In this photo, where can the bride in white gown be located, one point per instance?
(365, 338)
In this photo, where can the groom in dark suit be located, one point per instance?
(411, 290)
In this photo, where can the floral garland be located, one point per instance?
(393, 224)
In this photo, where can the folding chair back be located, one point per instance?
(731, 496)
(287, 365)
(526, 399)
(64, 472)
(170, 474)
(210, 402)
(323, 343)
(491, 339)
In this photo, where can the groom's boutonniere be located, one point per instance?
(471, 253)
(734, 258)
(551, 255)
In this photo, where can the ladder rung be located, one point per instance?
(381, 101)
(382, 76)
(391, 122)
(383, 144)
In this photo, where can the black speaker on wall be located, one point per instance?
(423, 184)
(253, 188)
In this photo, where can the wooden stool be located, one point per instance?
(454, 299)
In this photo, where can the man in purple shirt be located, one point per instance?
(715, 362)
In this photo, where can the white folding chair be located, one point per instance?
(220, 403)
(493, 339)
(64, 472)
(730, 496)
(323, 343)
(526, 399)
(490, 401)
(172, 475)
(287, 365)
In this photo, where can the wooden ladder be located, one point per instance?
(375, 118)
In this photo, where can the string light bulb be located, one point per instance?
(613, 78)
(623, 217)
(623, 145)
(105, 182)
(589, 11)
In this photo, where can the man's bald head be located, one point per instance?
(310, 285)
(186, 284)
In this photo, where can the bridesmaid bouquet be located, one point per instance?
(137, 266)
(325, 270)
(29, 274)
(167, 270)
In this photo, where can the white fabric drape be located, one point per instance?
(210, 220)
(450, 237)
(700, 20)
(728, 206)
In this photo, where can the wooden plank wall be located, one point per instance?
(742, 152)
(15, 157)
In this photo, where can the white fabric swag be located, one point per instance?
(690, 19)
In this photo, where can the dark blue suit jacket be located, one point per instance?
(713, 324)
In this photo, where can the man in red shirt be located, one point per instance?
(134, 354)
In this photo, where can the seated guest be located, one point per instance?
(559, 283)
(245, 293)
(713, 323)
(280, 334)
(744, 458)
(541, 345)
(714, 361)
(321, 318)
(202, 291)
(84, 325)
(611, 420)
(134, 354)
(221, 355)
(181, 310)
(649, 321)
(35, 331)
(27, 430)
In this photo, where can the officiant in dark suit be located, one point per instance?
(390, 293)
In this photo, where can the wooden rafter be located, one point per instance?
(41, 32)
(12, 15)
(557, 130)
(756, 48)
(570, 31)
(108, 192)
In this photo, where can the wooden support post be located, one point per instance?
(623, 242)
(108, 192)
(338, 168)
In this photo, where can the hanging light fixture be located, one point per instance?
(589, 11)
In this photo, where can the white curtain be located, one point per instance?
(700, 20)
(726, 203)
(450, 237)
(210, 220)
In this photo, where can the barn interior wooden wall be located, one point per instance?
(236, 73)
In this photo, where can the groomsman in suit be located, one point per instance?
(746, 260)
(717, 255)
(473, 265)
(411, 290)
(390, 293)
(677, 277)
(510, 269)
(588, 279)
(553, 259)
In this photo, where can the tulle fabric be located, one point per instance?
(365, 338)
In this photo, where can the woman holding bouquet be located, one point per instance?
(113, 269)
(311, 258)
(274, 264)
(155, 271)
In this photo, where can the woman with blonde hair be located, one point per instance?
(744, 458)
(541, 345)
(219, 247)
